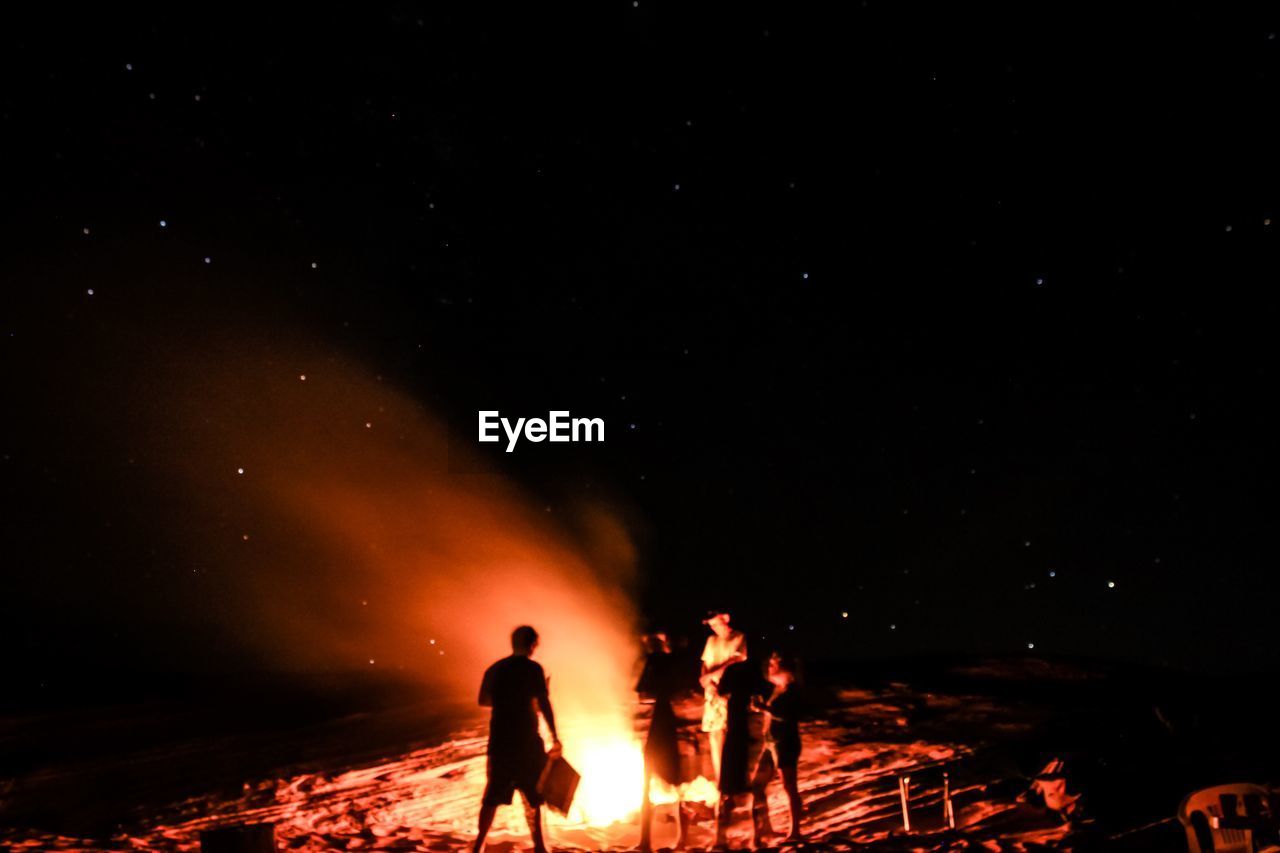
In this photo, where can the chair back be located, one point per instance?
(1198, 811)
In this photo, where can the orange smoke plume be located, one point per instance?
(348, 531)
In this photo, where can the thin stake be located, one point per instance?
(948, 812)
(904, 786)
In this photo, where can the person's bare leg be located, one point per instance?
(761, 828)
(682, 822)
(646, 816)
(760, 823)
(724, 813)
(533, 816)
(486, 820)
(792, 786)
(715, 740)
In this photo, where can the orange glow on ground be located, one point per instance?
(428, 798)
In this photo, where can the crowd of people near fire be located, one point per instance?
(735, 688)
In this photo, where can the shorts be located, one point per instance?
(715, 712)
(775, 756)
(508, 774)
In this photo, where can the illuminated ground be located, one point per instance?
(426, 798)
(377, 772)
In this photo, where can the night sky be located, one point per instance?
(959, 322)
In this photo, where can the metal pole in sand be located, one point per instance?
(948, 812)
(904, 786)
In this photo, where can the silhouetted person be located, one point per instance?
(782, 746)
(739, 684)
(516, 689)
(724, 647)
(659, 682)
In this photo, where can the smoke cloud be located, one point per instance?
(320, 507)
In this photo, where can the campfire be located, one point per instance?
(612, 768)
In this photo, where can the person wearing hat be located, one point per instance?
(724, 648)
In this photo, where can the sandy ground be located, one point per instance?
(424, 796)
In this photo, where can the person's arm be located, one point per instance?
(762, 701)
(771, 700)
(544, 705)
(543, 700)
(709, 673)
(486, 690)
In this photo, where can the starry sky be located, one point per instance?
(918, 331)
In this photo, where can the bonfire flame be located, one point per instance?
(612, 768)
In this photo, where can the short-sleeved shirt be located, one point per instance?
(511, 687)
(714, 653)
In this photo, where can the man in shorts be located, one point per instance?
(724, 648)
(515, 688)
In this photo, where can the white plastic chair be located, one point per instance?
(1202, 812)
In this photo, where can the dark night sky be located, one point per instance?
(942, 317)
